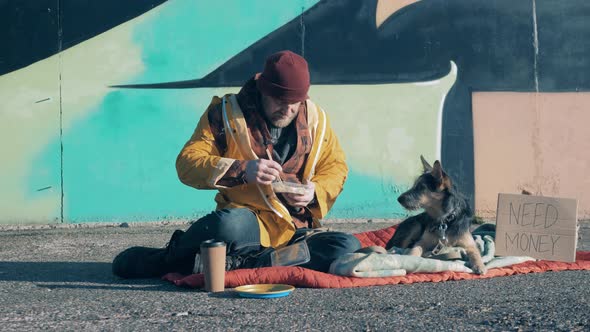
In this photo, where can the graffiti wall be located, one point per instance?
(98, 98)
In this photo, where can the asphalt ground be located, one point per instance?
(59, 278)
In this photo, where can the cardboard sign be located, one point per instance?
(537, 226)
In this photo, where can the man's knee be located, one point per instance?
(336, 243)
(325, 247)
(232, 224)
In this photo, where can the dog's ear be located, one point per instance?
(425, 164)
(437, 171)
(440, 175)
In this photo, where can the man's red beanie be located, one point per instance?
(285, 77)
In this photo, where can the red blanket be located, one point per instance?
(301, 277)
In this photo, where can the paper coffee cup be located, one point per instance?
(213, 256)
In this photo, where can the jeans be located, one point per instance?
(239, 229)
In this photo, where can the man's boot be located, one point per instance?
(141, 262)
(144, 262)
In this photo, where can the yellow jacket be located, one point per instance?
(200, 165)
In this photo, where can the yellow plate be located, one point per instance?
(264, 291)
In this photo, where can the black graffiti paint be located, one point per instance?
(34, 30)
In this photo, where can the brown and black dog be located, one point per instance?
(444, 222)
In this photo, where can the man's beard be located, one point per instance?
(283, 121)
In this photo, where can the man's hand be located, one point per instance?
(262, 171)
(301, 200)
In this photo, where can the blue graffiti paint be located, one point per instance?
(367, 197)
(189, 39)
(130, 172)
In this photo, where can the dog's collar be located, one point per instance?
(443, 225)
(449, 217)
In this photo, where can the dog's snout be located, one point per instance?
(409, 201)
(403, 199)
(400, 199)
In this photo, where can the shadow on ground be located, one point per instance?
(93, 275)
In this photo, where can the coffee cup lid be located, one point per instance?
(212, 243)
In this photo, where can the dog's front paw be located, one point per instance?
(479, 269)
(415, 251)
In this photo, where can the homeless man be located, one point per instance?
(269, 132)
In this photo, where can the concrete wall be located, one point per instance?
(537, 142)
(396, 77)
